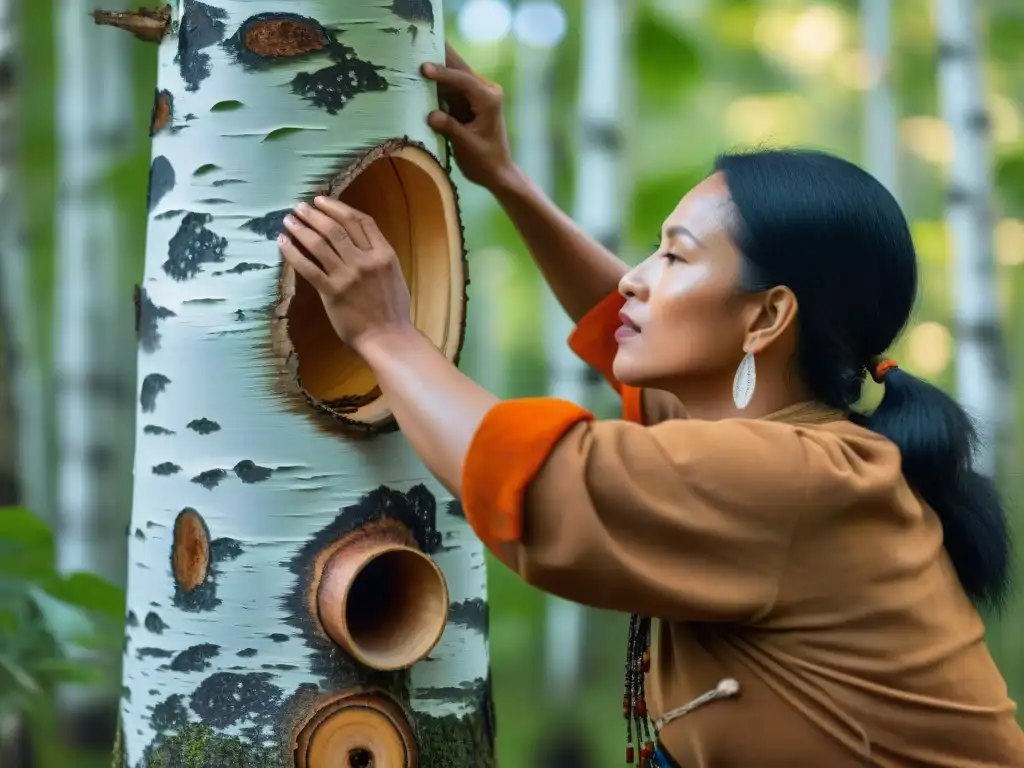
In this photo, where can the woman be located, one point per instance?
(813, 571)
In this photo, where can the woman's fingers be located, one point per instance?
(477, 91)
(336, 225)
(367, 226)
(315, 243)
(301, 264)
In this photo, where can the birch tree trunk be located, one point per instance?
(983, 378)
(93, 385)
(284, 569)
(880, 119)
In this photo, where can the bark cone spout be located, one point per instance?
(383, 600)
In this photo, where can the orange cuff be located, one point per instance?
(593, 341)
(509, 448)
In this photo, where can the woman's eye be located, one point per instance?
(672, 258)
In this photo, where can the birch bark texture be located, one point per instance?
(265, 534)
(983, 376)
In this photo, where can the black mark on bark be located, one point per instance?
(155, 624)
(414, 10)
(472, 613)
(153, 429)
(131, 619)
(249, 472)
(269, 225)
(454, 508)
(278, 637)
(166, 468)
(242, 267)
(172, 214)
(331, 88)
(161, 181)
(195, 659)
(204, 596)
(170, 714)
(210, 479)
(152, 385)
(201, 26)
(203, 426)
(192, 246)
(226, 182)
(148, 316)
(139, 534)
(246, 653)
(155, 653)
(225, 698)
(225, 549)
(284, 667)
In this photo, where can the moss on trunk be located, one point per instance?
(450, 741)
(198, 746)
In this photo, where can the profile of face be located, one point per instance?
(686, 323)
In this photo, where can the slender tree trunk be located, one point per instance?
(880, 118)
(281, 565)
(15, 318)
(93, 385)
(983, 377)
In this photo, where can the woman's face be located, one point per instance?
(684, 323)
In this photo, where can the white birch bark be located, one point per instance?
(31, 465)
(881, 132)
(983, 384)
(238, 659)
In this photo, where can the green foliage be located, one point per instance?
(48, 621)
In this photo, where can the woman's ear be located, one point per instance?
(772, 316)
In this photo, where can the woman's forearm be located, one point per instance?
(438, 408)
(580, 271)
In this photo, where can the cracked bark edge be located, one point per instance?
(150, 26)
(280, 342)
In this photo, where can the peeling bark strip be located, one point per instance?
(202, 25)
(148, 25)
(163, 112)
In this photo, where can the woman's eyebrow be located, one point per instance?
(678, 230)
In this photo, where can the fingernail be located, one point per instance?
(429, 69)
(282, 238)
(302, 207)
(289, 219)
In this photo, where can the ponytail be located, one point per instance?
(936, 439)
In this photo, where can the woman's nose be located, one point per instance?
(632, 285)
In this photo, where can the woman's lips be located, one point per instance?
(628, 329)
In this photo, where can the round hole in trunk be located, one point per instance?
(411, 197)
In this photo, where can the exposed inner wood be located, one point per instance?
(383, 601)
(283, 38)
(190, 557)
(357, 729)
(410, 197)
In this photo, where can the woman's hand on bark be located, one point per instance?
(473, 121)
(343, 255)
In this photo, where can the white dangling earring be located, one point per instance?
(743, 383)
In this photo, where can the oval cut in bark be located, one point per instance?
(411, 197)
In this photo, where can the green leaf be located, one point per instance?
(1010, 176)
(26, 544)
(89, 591)
(667, 60)
(19, 675)
(69, 624)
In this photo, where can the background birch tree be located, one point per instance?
(277, 516)
(982, 372)
(93, 381)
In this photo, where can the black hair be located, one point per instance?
(837, 238)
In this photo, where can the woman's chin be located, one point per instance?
(627, 371)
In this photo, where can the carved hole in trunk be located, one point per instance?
(360, 758)
(412, 199)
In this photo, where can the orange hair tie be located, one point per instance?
(881, 368)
